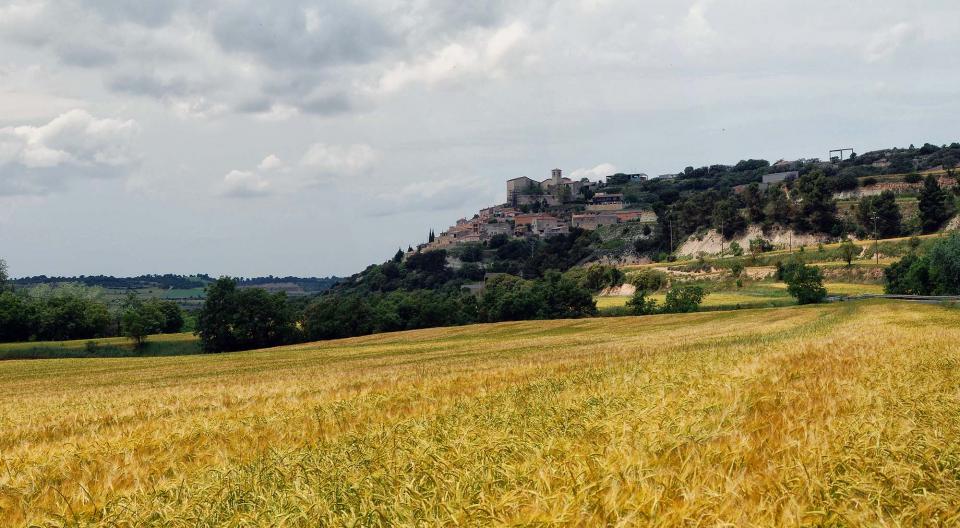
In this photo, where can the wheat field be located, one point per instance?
(842, 414)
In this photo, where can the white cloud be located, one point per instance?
(483, 56)
(330, 161)
(245, 184)
(434, 195)
(596, 173)
(886, 42)
(320, 163)
(36, 159)
(269, 163)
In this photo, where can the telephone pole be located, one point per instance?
(876, 240)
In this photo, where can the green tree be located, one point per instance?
(910, 276)
(805, 283)
(778, 209)
(140, 319)
(727, 218)
(3, 275)
(934, 205)
(754, 201)
(884, 210)
(817, 210)
(215, 319)
(736, 249)
(640, 305)
(848, 250)
(172, 318)
(683, 299)
(17, 316)
(944, 260)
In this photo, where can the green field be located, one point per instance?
(156, 345)
(830, 415)
(752, 295)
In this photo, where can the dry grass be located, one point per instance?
(843, 414)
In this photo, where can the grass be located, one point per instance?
(752, 295)
(156, 345)
(841, 414)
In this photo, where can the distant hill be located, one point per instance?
(292, 285)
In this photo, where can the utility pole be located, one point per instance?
(670, 219)
(876, 240)
(721, 237)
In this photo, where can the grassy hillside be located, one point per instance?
(829, 414)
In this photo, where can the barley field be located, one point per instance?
(836, 415)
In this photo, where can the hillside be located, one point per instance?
(827, 415)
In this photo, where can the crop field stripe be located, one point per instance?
(827, 414)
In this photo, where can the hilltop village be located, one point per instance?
(543, 209)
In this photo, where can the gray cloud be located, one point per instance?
(301, 34)
(455, 96)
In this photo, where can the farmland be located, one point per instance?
(841, 414)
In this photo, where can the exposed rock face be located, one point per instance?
(710, 243)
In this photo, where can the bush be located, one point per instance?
(937, 273)
(735, 249)
(649, 280)
(805, 283)
(683, 299)
(640, 305)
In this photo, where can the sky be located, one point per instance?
(312, 138)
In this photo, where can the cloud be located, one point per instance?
(271, 162)
(483, 56)
(323, 161)
(244, 184)
(39, 159)
(290, 34)
(886, 42)
(596, 173)
(433, 195)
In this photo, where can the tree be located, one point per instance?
(804, 282)
(3, 275)
(817, 210)
(171, 315)
(215, 320)
(683, 299)
(909, 276)
(727, 218)
(431, 237)
(640, 305)
(736, 249)
(934, 205)
(848, 250)
(779, 209)
(944, 260)
(884, 210)
(17, 317)
(140, 319)
(398, 256)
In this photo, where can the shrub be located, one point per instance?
(805, 283)
(640, 305)
(648, 280)
(683, 299)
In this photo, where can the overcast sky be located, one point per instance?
(315, 137)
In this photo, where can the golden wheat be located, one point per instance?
(843, 414)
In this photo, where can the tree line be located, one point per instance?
(71, 312)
